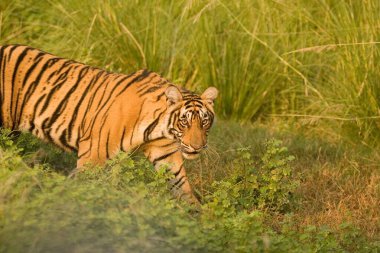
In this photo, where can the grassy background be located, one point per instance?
(301, 71)
(309, 61)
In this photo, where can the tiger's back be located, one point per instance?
(58, 99)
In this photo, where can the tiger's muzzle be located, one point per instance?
(191, 152)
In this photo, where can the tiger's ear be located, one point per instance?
(210, 95)
(173, 95)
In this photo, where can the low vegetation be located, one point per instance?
(258, 198)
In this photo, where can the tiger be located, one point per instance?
(98, 113)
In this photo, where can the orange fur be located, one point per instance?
(98, 113)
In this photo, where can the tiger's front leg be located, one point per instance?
(166, 152)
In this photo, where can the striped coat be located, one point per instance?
(98, 113)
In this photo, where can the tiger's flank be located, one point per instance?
(98, 113)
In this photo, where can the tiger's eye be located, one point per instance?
(184, 121)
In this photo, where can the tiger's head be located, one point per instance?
(190, 117)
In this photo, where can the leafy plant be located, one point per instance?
(266, 185)
(7, 141)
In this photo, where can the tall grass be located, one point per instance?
(310, 61)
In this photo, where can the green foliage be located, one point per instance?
(266, 185)
(126, 206)
(36, 151)
(276, 177)
(100, 210)
(7, 142)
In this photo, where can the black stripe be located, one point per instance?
(159, 96)
(63, 76)
(34, 111)
(89, 104)
(143, 75)
(176, 184)
(100, 132)
(59, 126)
(122, 139)
(160, 138)
(101, 98)
(158, 109)
(116, 85)
(136, 122)
(2, 49)
(104, 105)
(85, 139)
(151, 127)
(27, 96)
(79, 103)
(161, 81)
(65, 100)
(163, 157)
(188, 102)
(180, 185)
(152, 89)
(105, 79)
(107, 147)
(63, 139)
(211, 115)
(84, 131)
(177, 173)
(136, 79)
(14, 47)
(4, 64)
(105, 115)
(54, 73)
(39, 57)
(20, 58)
(34, 84)
(43, 129)
(149, 81)
(81, 155)
(172, 117)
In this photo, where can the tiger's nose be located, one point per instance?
(197, 147)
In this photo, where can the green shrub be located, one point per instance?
(109, 209)
(265, 185)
